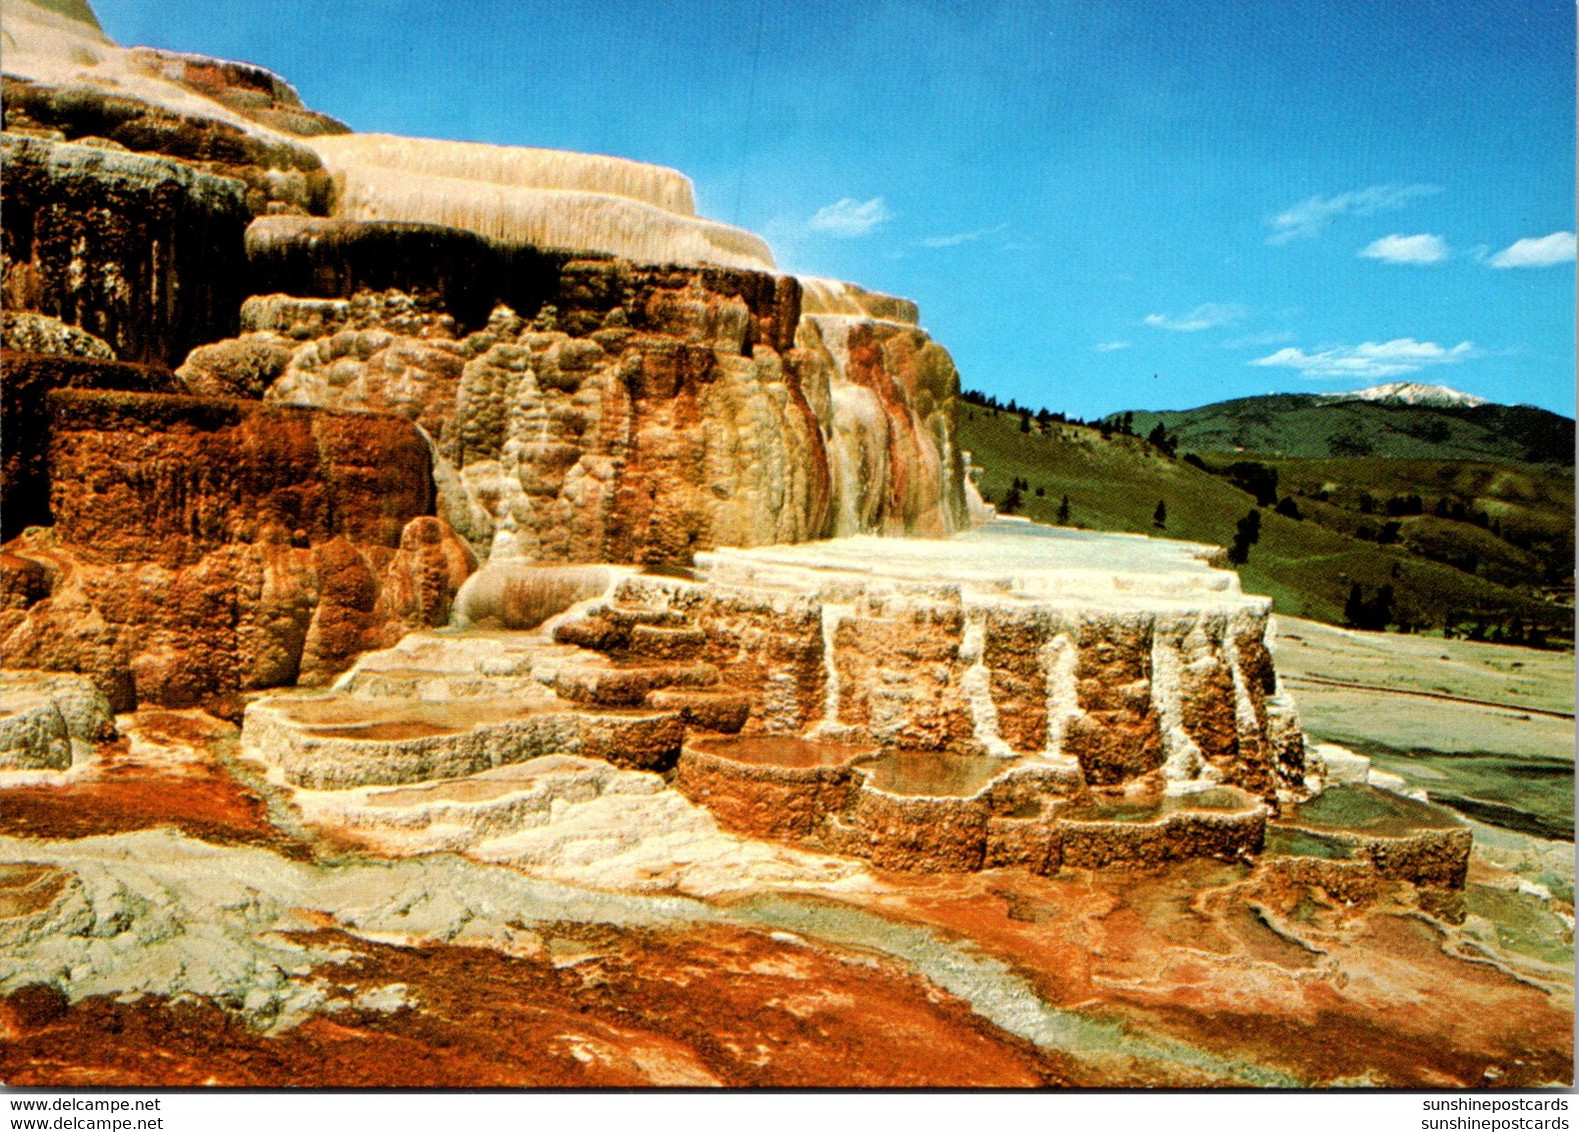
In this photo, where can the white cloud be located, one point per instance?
(1265, 338)
(1310, 216)
(1368, 359)
(1537, 251)
(960, 237)
(848, 217)
(1109, 347)
(1407, 249)
(1203, 317)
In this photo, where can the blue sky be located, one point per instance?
(1098, 205)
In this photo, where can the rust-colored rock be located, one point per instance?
(249, 90)
(138, 786)
(204, 547)
(784, 789)
(706, 1007)
(1177, 837)
(25, 380)
(169, 479)
(921, 834)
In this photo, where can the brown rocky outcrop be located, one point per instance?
(25, 381)
(202, 547)
(786, 796)
(252, 91)
(169, 479)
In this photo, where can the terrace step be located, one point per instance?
(660, 643)
(609, 685)
(726, 712)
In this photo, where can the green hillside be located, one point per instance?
(1308, 426)
(1308, 565)
(1510, 523)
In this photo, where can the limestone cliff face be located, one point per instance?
(397, 357)
(893, 394)
(635, 414)
(643, 415)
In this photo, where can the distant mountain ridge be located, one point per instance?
(1403, 420)
(1411, 393)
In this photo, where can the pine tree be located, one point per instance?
(1247, 532)
(1063, 512)
(1354, 608)
(1159, 517)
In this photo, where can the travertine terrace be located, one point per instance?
(1015, 696)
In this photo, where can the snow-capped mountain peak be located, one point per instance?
(1412, 393)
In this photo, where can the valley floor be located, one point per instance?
(1487, 729)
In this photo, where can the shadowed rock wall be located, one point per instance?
(146, 254)
(333, 259)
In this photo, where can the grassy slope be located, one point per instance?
(1115, 484)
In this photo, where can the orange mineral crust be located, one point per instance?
(598, 1007)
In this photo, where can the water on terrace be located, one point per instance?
(394, 719)
(1367, 810)
(1151, 807)
(785, 751)
(934, 775)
